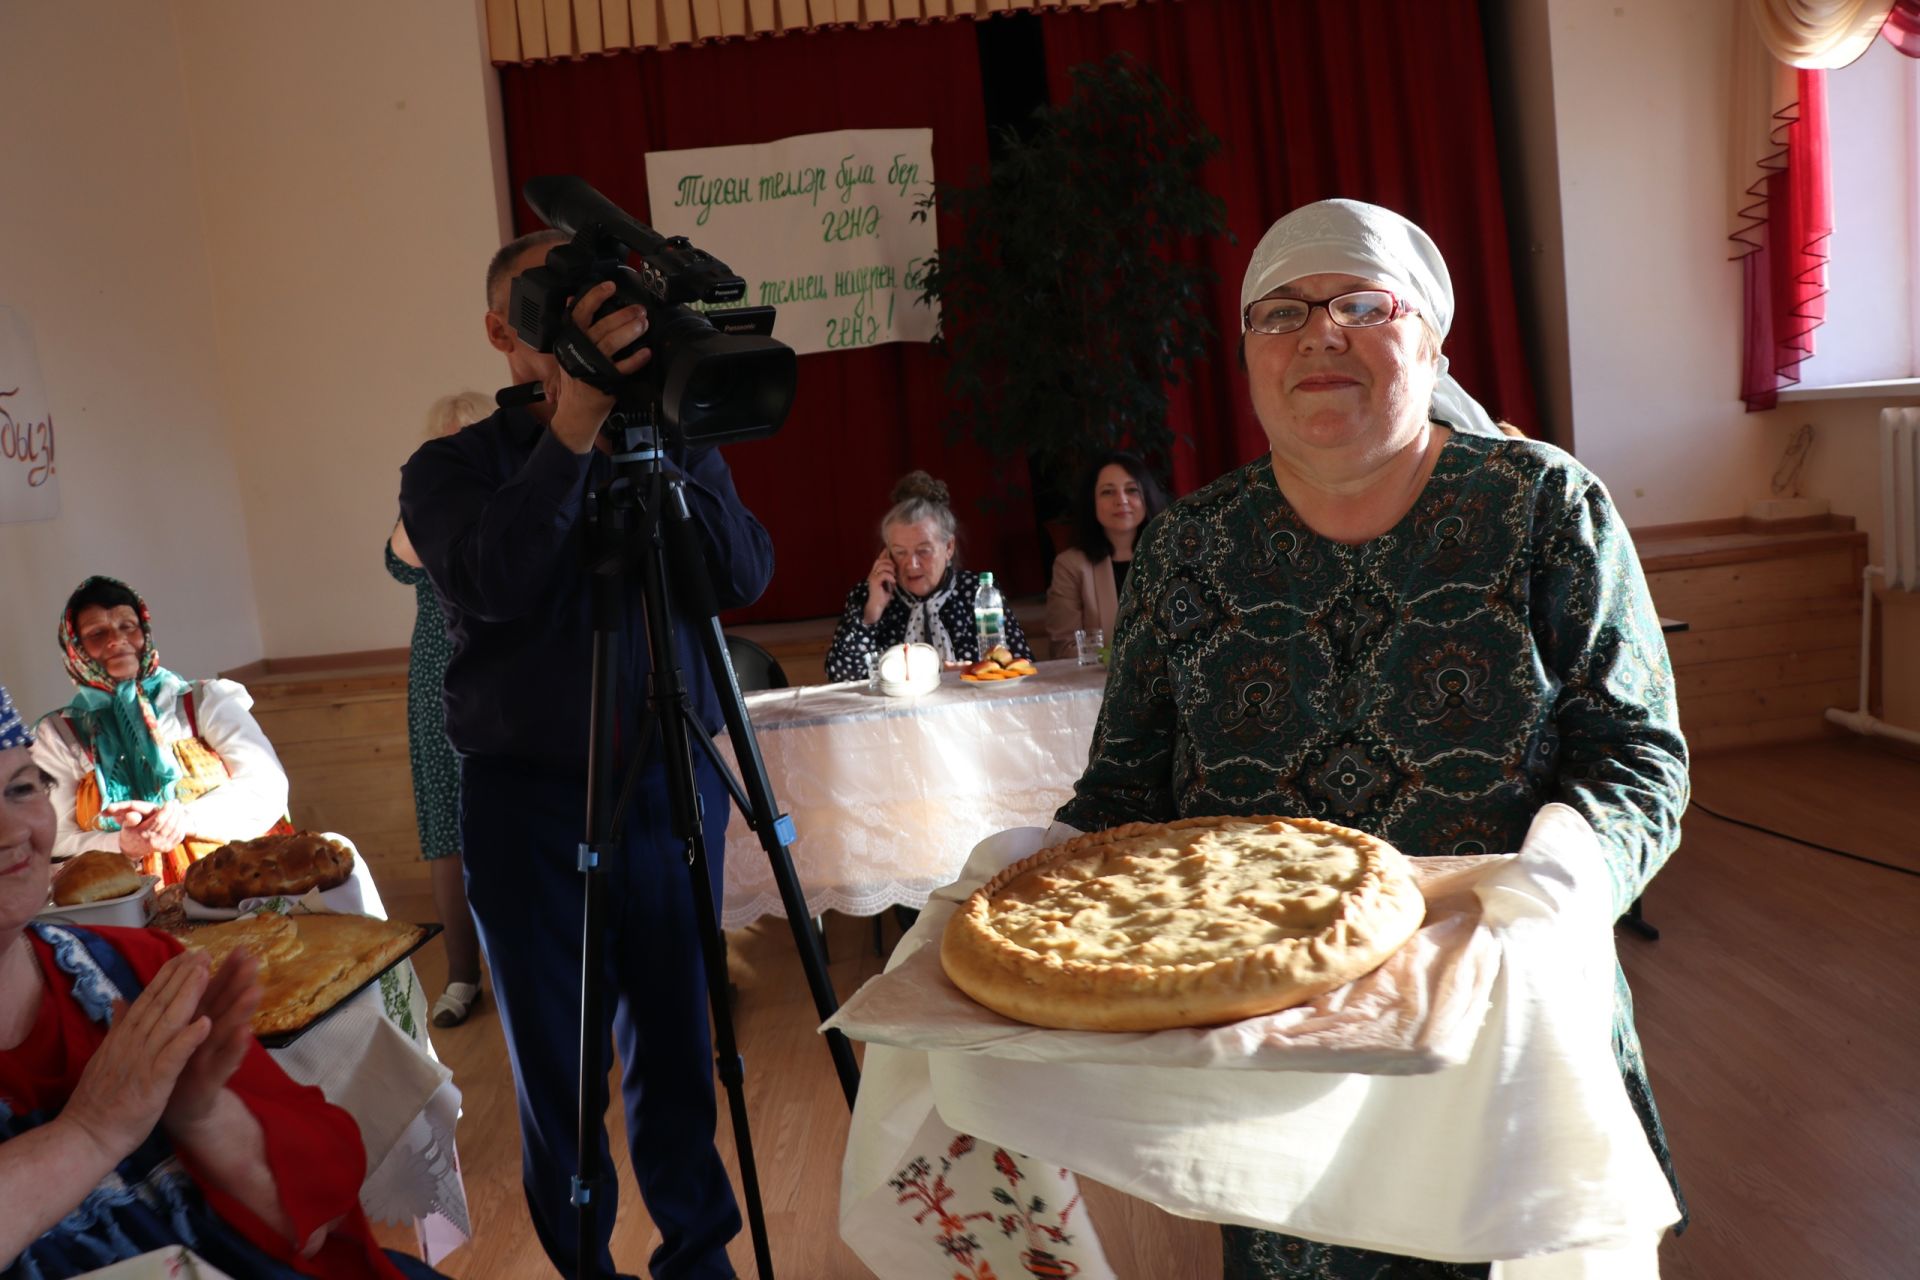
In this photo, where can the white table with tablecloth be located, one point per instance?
(889, 795)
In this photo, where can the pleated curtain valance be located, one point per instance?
(1818, 35)
(538, 30)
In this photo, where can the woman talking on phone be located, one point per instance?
(914, 593)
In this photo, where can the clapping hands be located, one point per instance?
(168, 1054)
(148, 828)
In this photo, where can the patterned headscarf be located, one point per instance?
(13, 730)
(115, 718)
(1351, 238)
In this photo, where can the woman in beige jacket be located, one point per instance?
(1110, 507)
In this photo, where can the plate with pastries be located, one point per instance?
(284, 865)
(998, 667)
(101, 887)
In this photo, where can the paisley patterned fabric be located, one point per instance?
(1435, 686)
(1263, 1255)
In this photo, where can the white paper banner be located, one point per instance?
(27, 487)
(820, 227)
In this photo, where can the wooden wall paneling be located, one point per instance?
(1812, 629)
(1773, 619)
(1754, 705)
(1768, 671)
(342, 739)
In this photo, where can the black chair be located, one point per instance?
(753, 666)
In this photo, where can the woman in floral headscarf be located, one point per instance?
(163, 769)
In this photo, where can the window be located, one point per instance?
(1872, 330)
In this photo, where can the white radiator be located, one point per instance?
(1900, 495)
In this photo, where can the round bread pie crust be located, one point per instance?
(1371, 921)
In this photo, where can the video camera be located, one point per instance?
(715, 377)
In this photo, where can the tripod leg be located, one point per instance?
(774, 829)
(678, 729)
(589, 1178)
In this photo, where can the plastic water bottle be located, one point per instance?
(989, 615)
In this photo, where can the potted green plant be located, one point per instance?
(1066, 308)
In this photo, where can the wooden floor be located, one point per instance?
(1780, 1011)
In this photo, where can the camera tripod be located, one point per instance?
(640, 519)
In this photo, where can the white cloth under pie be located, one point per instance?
(1528, 1154)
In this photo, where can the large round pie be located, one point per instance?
(1182, 924)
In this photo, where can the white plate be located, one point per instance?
(129, 910)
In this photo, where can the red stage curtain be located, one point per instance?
(1784, 280)
(1376, 100)
(862, 418)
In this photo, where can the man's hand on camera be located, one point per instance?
(580, 407)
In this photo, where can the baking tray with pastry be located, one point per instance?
(311, 963)
(317, 944)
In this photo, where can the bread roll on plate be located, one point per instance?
(95, 876)
(101, 887)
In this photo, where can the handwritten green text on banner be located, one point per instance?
(820, 226)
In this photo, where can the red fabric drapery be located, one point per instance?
(861, 418)
(1902, 29)
(1784, 273)
(1375, 100)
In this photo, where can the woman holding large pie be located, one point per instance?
(163, 769)
(1399, 620)
(137, 1111)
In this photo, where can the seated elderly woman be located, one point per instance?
(163, 769)
(1399, 619)
(137, 1111)
(1111, 506)
(915, 593)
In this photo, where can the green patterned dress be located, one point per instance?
(1494, 651)
(436, 769)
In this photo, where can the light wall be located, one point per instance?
(348, 178)
(1653, 305)
(1640, 133)
(102, 250)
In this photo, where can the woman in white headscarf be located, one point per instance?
(1400, 619)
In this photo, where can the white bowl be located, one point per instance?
(908, 670)
(129, 910)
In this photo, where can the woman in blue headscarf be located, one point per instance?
(163, 769)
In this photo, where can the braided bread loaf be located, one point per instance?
(271, 865)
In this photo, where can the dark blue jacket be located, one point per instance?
(496, 512)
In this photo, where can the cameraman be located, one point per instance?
(495, 513)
